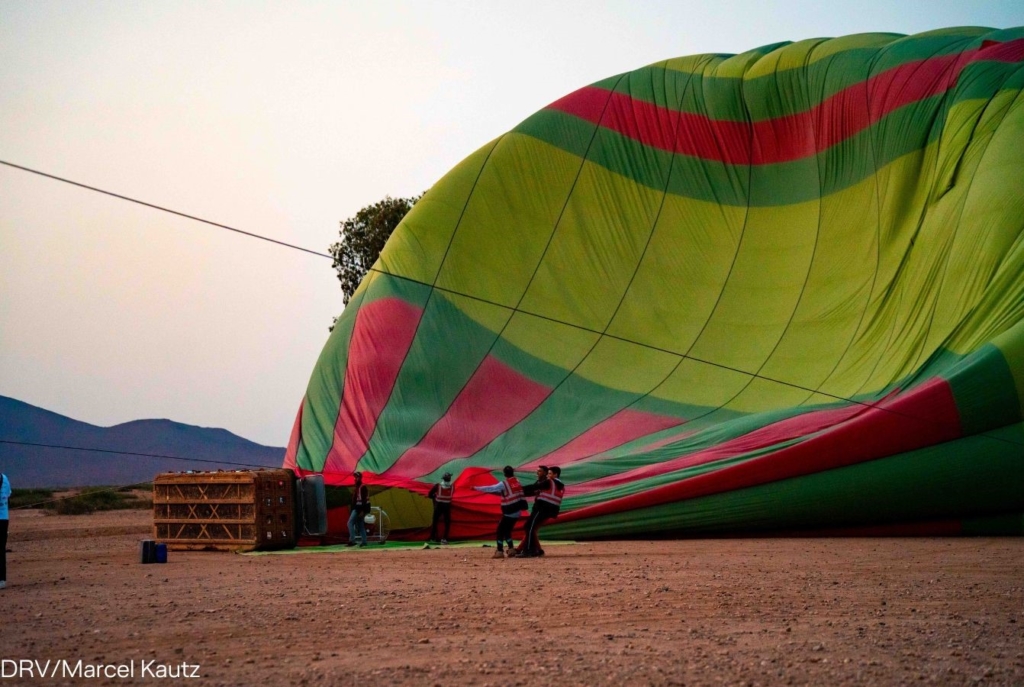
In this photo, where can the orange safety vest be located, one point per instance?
(444, 494)
(554, 494)
(512, 491)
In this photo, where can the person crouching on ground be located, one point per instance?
(525, 545)
(512, 504)
(549, 501)
(442, 494)
(358, 510)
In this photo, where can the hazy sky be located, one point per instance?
(280, 119)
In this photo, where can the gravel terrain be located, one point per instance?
(695, 612)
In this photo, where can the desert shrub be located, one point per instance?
(29, 498)
(99, 499)
(136, 487)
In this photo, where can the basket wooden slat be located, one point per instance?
(226, 511)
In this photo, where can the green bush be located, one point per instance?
(99, 499)
(136, 487)
(29, 498)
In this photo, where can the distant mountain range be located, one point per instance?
(37, 466)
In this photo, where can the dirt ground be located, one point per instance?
(697, 612)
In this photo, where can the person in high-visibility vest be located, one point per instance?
(357, 511)
(525, 545)
(549, 495)
(512, 504)
(442, 495)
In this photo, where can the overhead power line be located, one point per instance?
(864, 404)
(131, 453)
(108, 451)
(163, 209)
(119, 453)
(186, 459)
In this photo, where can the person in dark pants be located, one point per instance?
(442, 494)
(5, 495)
(358, 510)
(524, 545)
(512, 504)
(549, 495)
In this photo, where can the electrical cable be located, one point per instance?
(132, 453)
(163, 209)
(135, 453)
(453, 292)
(114, 452)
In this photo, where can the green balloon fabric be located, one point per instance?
(779, 290)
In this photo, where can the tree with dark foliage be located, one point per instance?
(362, 239)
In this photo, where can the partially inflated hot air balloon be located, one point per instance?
(774, 291)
